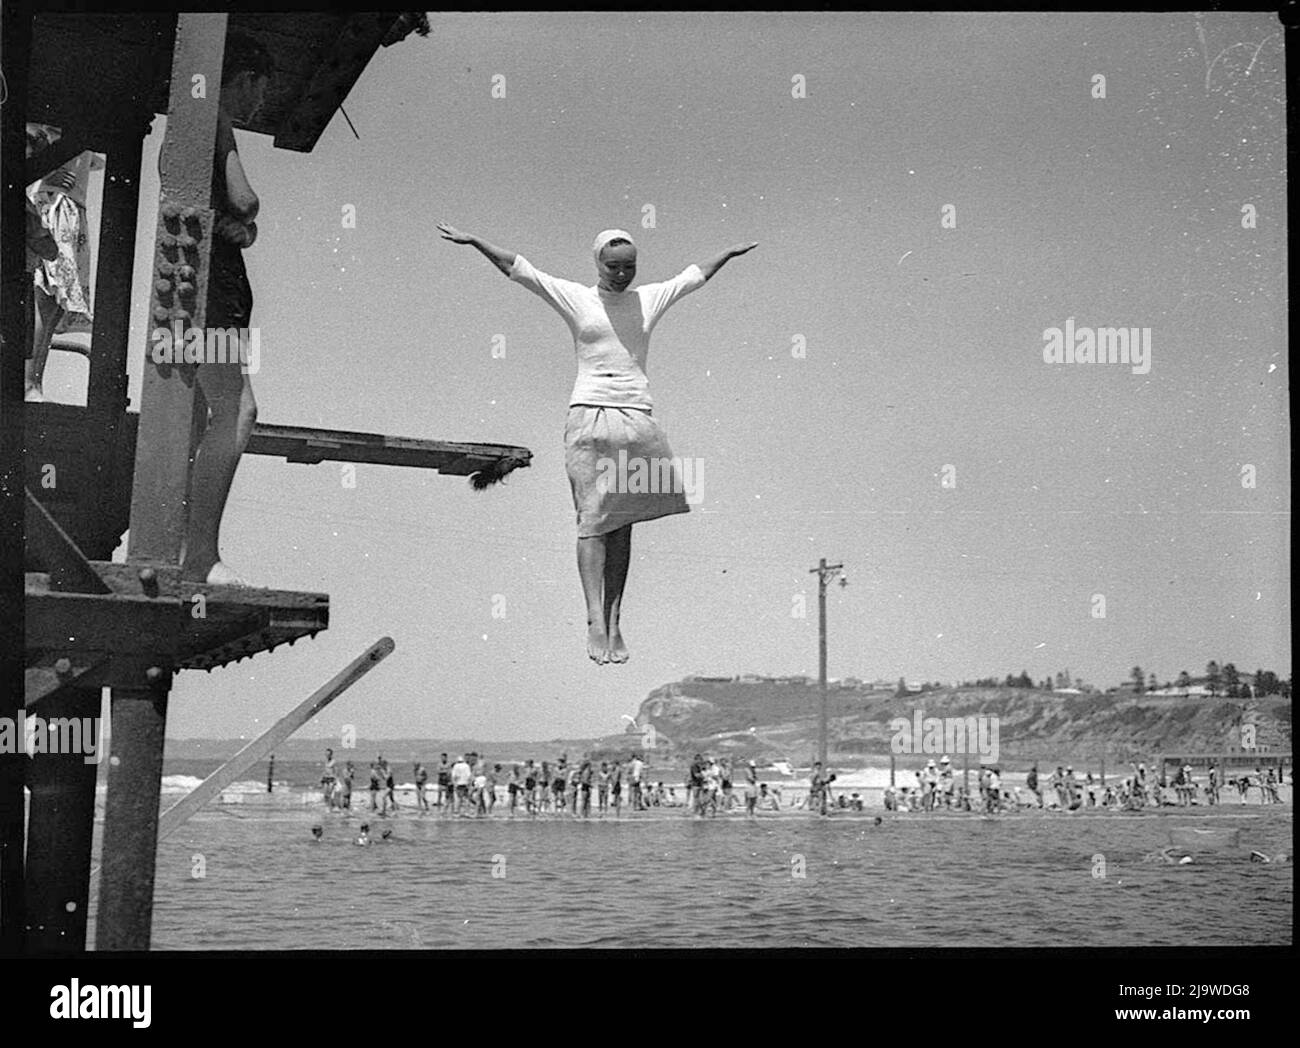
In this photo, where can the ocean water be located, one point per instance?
(256, 879)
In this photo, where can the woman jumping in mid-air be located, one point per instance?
(612, 440)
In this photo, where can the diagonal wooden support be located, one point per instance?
(267, 742)
(125, 894)
(69, 570)
(47, 682)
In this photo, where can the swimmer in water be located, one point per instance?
(317, 832)
(364, 837)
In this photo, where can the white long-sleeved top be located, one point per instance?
(611, 330)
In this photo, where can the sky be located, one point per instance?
(868, 385)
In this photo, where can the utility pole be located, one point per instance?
(824, 572)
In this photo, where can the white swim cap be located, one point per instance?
(605, 236)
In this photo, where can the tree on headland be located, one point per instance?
(1136, 676)
(1212, 678)
(1184, 680)
(1231, 680)
(1152, 684)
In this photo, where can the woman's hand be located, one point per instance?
(499, 257)
(454, 235)
(713, 265)
(63, 180)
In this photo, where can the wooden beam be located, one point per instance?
(61, 823)
(168, 623)
(129, 849)
(160, 489)
(15, 337)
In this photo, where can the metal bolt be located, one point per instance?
(153, 674)
(63, 667)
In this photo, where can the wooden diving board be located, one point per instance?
(311, 445)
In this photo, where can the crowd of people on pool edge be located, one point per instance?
(472, 787)
(936, 789)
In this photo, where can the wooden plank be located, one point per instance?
(310, 444)
(167, 582)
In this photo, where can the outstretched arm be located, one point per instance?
(499, 257)
(713, 265)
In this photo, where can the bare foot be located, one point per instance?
(597, 643)
(617, 649)
(33, 396)
(221, 575)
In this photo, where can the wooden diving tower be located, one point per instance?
(131, 627)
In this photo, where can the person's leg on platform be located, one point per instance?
(591, 568)
(48, 314)
(232, 413)
(618, 554)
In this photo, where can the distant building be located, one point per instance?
(1192, 691)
